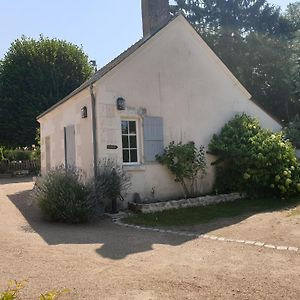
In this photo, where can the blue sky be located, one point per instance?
(103, 28)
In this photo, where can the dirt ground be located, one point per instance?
(106, 261)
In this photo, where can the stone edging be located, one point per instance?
(119, 222)
(183, 203)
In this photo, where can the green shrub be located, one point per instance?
(14, 287)
(185, 161)
(62, 196)
(292, 132)
(12, 290)
(254, 160)
(110, 183)
(36, 153)
(18, 155)
(2, 149)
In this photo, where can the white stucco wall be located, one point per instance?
(52, 125)
(174, 76)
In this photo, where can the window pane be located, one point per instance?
(126, 156)
(133, 143)
(125, 143)
(133, 156)
(132, 127)
(124, 127)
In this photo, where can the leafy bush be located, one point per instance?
(292, 132)
(12, 290)
(254, 160)
(185, 161)
(110, 183)
(14, 287)
(18, 155)
(2, 149)
(62, 196)
(36, 153)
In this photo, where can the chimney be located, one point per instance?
(155, 13)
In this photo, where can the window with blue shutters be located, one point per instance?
(153, 138)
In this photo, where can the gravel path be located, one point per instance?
(107, 261)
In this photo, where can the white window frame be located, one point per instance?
(137, 127)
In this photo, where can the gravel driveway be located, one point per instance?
(106, 261)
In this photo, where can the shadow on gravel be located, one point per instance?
(116, 242)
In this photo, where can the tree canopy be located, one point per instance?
(34, 75)
(258, 43)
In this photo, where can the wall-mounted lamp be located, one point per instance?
(84, 112)
(121, 105)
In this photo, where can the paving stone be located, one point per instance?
(270, 246)
(293, 249)
(183, 233)
(229, 240)
(249, 242)
(281, 247)
(192, 234)
(259, 244)
(240, 241)
(205, 236)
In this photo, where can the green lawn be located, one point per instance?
(204, 214)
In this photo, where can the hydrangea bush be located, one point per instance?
(254, 160)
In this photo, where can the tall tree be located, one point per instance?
(292, 16)
(252, 39)
(34, 75)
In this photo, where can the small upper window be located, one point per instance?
(129, 142)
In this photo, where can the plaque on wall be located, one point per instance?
(112, 147)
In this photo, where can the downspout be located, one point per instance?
(94, 129)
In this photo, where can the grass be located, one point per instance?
(205, 214)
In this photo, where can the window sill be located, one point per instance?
(134, 168)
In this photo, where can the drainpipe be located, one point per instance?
(94, 129)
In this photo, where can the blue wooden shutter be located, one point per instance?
(153, 138)
(70, 147)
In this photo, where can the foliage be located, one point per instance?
(110, 182)
(257, 43)
(53, 295)
(62, 196)
(292, 132)
(266, 73)
(185, 161)
(14, 287)
(254, 159)
(34, 75)
(17, 154)
(12, 290)
(36, 153)
(2, 150)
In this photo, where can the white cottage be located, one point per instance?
(169, 86)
